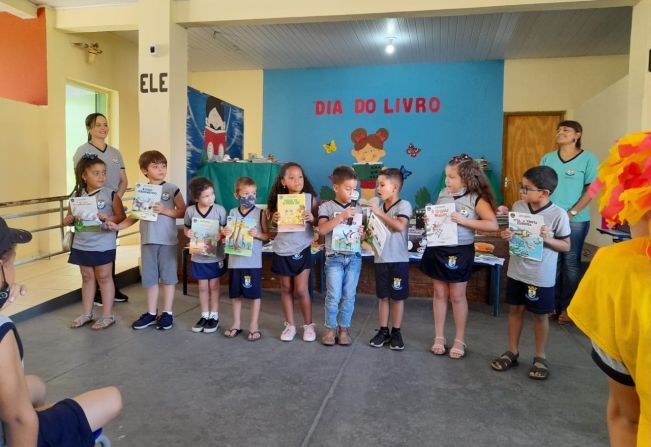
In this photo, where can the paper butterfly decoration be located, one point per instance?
(413, 150)
(405, 173)
(330, 148)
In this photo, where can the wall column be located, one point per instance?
(639, 88)
(162, 79)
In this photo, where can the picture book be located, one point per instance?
(417, 242)
(84, 209)
(291, 208)
(239, 242)
(346, 238)
(205, 237)
(526, 241)
(440, 229)
(146, 196)
(376, 234)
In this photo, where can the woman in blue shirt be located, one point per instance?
(576, 170)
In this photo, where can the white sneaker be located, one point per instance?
(288, 333)
(309, 333)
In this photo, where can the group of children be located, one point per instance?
(530, 283)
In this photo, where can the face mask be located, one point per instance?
(461, 192)
(248, 201)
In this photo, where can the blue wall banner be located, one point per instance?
(414, 117)
(215, 128)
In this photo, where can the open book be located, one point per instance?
(146, 196)
(377, 234)
(526, 241)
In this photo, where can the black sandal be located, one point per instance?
(232, 332)
(538, 372)
(505, 361)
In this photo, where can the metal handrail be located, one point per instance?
(60, 209)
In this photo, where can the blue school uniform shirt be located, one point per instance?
(574, 175)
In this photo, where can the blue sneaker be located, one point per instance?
(165, 321)
(144, 321)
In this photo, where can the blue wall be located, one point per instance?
(469, 118)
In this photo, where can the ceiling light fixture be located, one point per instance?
(390, 48)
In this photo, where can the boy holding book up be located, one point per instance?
(531, 283)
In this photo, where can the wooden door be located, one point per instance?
(527, 137)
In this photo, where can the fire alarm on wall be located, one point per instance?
(154, 50)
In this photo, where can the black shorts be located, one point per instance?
(292, 265)
(207, 270)
(392, 280)
(537, 300)
(64, 425)
(91, 258)
(246, 283)
(448, 264)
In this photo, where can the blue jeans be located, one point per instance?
(568, 269)
(342, 274)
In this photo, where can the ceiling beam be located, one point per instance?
(20, 8)
(118, 17)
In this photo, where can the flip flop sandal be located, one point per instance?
(505, 361)
(103, 323)
(254, 336)
(538, 372)
(456, 353)
(438, 348)
(80, 321)
(232, 333)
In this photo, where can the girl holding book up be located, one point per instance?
(450, 267)
(93, 247)
(292, 256)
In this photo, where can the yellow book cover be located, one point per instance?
(291, 208)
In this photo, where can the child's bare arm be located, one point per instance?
(560, 245)
(264, 234)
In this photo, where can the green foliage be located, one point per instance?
(422, 197)
(326, 193)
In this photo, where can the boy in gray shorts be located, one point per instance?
(158, 241)
(531, 283)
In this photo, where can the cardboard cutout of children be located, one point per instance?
(368, 150)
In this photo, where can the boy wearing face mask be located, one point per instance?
(246, 271)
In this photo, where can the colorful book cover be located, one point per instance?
(239, 242)
(346, 238)
(377, 234)
(441, 231)
(84, 209)
(146, 197)
(205, 237)
(526, 241)
(291, 208)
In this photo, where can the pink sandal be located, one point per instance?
(458, 353)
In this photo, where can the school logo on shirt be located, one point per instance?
(570, 172)
(465, 212)
(247, 282)
(452, 263)
(114, 159)
(165, 196)
(531, 293)
(297, 257)
(397, 284)
(101, 204)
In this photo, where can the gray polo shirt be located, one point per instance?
(103, 240)
(163, 230)
(540, 273)
(215, 212)
(327, 210)
(255, 260)
(111, 156)
(395, 247)
(465, 205)
(288, 244)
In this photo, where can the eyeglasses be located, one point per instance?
(459, 158)
(526, 189)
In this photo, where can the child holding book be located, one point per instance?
(531, 282)
(292, 256)
(159, 242)
(206, 268)
(245, 271)
(93, 247)
(612, 305)
(342, 267)
(392, 266)
(450, 267)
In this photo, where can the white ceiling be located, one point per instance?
(584, 32)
